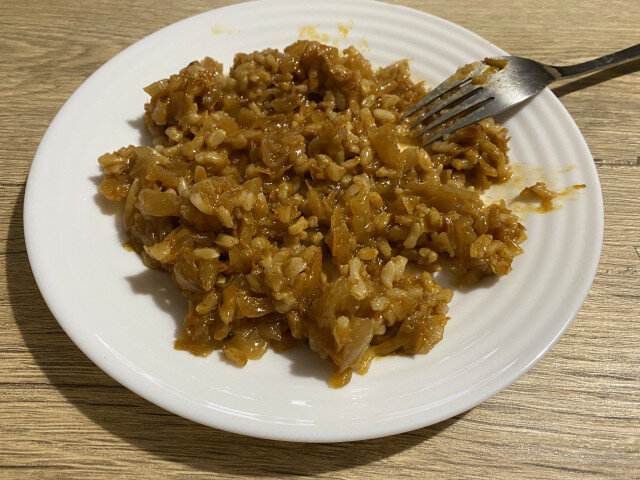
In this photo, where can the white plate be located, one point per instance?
(125, 318)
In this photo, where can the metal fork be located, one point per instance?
(494, 92)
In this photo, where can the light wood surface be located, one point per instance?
(575, 414)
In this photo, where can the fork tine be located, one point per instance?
(477, 100)
(449, 84)
(440, 90)
(466, 89)
(483, 112)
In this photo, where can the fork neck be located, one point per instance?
(626, 55)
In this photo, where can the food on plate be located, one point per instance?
(540, 192)
(290, 203)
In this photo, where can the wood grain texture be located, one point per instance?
(575, 414)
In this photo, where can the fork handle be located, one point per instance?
(596, 64)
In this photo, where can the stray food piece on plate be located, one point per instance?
(290, 204)
(540, 191)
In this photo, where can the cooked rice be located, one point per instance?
(289, 203)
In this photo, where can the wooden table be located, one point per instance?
(575, 414)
